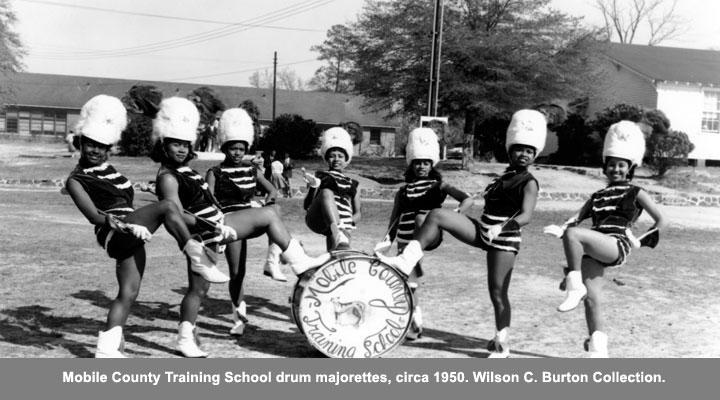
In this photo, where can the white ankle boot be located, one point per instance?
(202, 262)
(499, 347)
(239, 318)
(575, 291)
(342, 242)
(110, 343)
(405, 261)
(597, 347)
(272, 263)
(187, 344)
(300, 262)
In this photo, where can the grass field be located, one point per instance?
(56, 285)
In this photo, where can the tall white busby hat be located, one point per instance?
(625, 140)
(422, 145)
(337, 137)
(527, 127)
(102, 119)
(236, 125)
(177, 118)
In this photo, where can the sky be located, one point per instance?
(223, 42)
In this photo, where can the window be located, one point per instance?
(36, 122)
(375, 136)
(11, 121)
(711, 112)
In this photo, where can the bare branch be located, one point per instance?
(624, 22)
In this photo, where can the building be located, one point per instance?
(683, 83)
(44, 106)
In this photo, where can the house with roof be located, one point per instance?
(45, 106)
(683, 83)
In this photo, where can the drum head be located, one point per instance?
(354, 306)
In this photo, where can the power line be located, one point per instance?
(170, 17)
(188, 40)
(240, 71)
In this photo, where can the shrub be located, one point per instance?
(142, 102)
(292, 134)
(136, 139)
(667, 150)
(490, 136)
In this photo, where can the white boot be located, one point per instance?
(110, 343)
(575, 291)
(272, 263)
(202, 262)
(300, 262)
(597, 347)
(342, 242)
(187, 344)
(405, 261)
(239, 318)
(499, 347)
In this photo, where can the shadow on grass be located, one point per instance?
(268, 341)
(35, 326)
(459, 344)
(256, 338)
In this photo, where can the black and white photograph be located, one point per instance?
(404, 179)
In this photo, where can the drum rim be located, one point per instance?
(351, 254)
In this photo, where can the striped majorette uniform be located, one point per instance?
(344, 190)
(503, 201)
(417, 198)
(614, 210)
(234, 186)
(197, 199)
(110, 192)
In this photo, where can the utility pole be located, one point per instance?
(435, 59)
(274, 83)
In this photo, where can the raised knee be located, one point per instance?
(168, 206)
(570, 234)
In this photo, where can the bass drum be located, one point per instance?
(353, 306)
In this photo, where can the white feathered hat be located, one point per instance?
(422, 145)
(102, 119)
(236, 125)
(527, 127)
(337, 137)
(625, 140)
(178, 118)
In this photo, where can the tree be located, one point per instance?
(355, 131)
(142, 103)
(293, 135)
(11, 48)
(497, 56)
(286, 79)
(207, 103)
(666, 148)
(622, 21)
(254, 113)
(336, 52)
